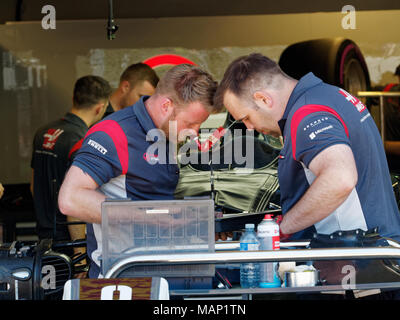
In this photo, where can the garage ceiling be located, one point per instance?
(28, 10)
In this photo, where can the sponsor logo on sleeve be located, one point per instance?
(315, 133)
(315, 123)
(97, 146)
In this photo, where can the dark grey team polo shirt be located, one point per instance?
(53, 148)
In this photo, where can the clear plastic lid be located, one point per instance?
(249, 226)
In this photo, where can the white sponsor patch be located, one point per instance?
(365, 117)
(315, 133)
(315, 123)
(97, 146)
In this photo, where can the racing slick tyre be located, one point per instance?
(336, 61)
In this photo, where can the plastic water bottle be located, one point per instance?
(249, 272)
(268, 235)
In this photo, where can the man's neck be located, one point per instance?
(152, 108)
(284, 96)
(115, 100)
(84, 116)
(289, 88)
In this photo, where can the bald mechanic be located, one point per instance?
(136, 81)
(114, 162)
(332, 170)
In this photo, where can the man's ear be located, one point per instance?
(125, 86)
(99, 108)
(262, 99)
(166, 106)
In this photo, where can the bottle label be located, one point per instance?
(249, 246)
(270, 236)
(276, 244)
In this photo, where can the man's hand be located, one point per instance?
(282, 236)
(1, 190)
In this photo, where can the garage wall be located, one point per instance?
(39, 67)
(29, 10)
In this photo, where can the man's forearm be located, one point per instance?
(76, 231)
(336, 176)
(325, 194)
(83, 204)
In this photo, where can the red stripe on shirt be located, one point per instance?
(303, 112)
(75, 148)
(114, 130)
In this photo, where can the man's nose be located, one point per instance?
(248, 124)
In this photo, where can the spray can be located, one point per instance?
(268, 235)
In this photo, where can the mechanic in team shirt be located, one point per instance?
(115, 162)
(332, 170)
(54, 146)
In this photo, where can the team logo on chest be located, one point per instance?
(150, 158)
(353, 100)
(50, 138)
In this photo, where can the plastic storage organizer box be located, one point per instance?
(131, 228)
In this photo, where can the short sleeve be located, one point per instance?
(98, 156)
(316, 132)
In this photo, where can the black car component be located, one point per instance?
(35, 271)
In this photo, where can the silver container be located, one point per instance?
(309, 278)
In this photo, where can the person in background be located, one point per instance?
(115, 162)
(392, 125)
(136, 81)
(54, 147)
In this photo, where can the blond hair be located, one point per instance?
(186, 83)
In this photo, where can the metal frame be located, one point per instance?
(381, 95)
(254, 256)
(225, 255)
